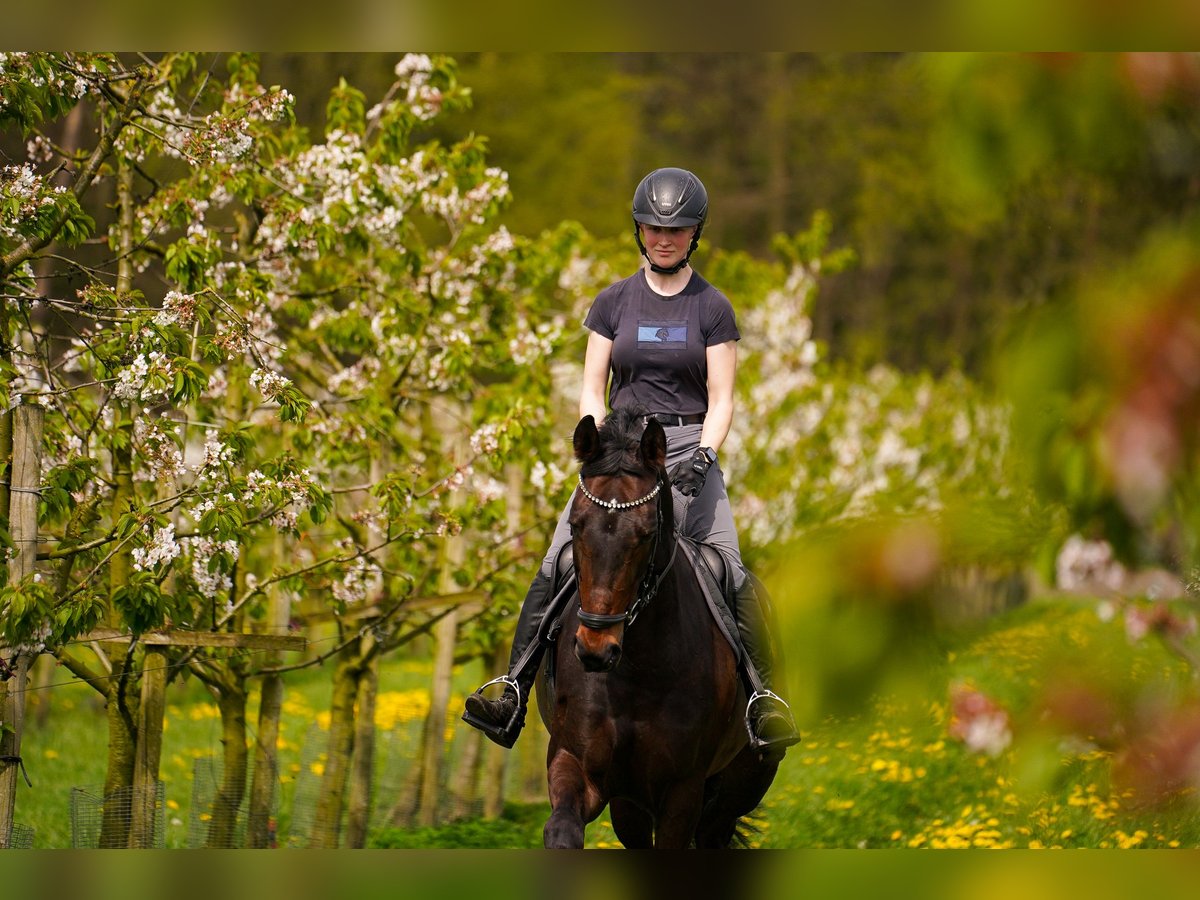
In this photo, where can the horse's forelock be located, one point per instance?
(620, 444)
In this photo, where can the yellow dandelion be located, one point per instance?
(172, 804)
(51, 754)
(294, 706)
(200, 711)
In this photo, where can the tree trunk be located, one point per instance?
(496, 759)
(260, 827)
(464, 791)
(358, 818)
(222, 828)
(778, 109)
(327, 820)
(144, 811)
(25, 473)
(434, 747)
(121, 696)
(42, 675)
(122, 710)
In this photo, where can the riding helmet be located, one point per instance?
(670, 198)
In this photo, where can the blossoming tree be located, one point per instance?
(253, 384)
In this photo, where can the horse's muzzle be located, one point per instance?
(598, 651)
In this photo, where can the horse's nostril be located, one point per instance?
(602, 659)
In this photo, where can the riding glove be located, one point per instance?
(688, 477)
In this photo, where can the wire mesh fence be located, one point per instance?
(21, 837)
(219, 811)
(197, 810)
(127, 817)
(398, 775)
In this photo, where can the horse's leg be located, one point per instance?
(681, 807)
(572, 803)
(633, 825)
(733, 792)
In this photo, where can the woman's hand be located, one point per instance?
(688, 477)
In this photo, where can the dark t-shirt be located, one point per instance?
(659, 343)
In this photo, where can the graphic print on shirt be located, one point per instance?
(662, 334)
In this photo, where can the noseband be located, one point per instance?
(650, 583)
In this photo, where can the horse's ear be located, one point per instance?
(654, 445)
(587, 439)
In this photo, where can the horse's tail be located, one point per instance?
(745, 830)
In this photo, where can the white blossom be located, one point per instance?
(269, 384)
(163, 548)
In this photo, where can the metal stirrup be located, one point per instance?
(503, 679)
(761, 695)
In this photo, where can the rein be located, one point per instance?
(650, 584)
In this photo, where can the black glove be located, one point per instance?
(688, 477)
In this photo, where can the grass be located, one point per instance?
(889, 776)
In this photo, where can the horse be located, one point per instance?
(641, 695)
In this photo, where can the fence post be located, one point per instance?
(24, 477)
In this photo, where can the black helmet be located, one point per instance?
(670, 198)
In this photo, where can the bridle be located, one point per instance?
(650, 583)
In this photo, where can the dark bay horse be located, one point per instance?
(645, 705)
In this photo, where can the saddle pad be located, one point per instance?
(713, 596)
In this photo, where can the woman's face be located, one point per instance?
(667, 246)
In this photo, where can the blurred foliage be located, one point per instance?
(1107, 389)
(972, 186)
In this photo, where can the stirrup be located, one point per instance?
(505, 734)
(768, 748)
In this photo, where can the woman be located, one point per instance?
(664, 339)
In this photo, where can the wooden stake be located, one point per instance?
(24, 478)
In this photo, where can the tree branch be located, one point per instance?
(25, 251)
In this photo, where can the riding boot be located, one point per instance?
(503, 718)
(768, 718)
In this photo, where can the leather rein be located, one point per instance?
(650, 583)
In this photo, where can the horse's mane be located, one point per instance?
(620, 444)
